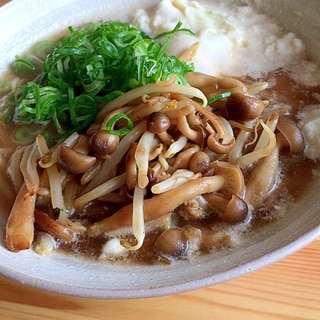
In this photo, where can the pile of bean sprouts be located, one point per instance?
(169, 145)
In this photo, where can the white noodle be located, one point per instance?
(241, 140)
(103, 189)
(265, 147)
(264, 138)
(176, 146)
(50, 160)
(141, 156)
(138, 227)
(28, 168)
(148, 89)
(178, 177)
(54, 180)
(163, 161)
(72, 139)
(14, 169)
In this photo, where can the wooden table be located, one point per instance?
(288, 289)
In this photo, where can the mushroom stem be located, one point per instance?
(204, 81)
(160, 204)
(165, 137)
(228, 179)
(182, 160)
(218, 147)
(47, 224)
(131, 167)
(216, 122)
(261, 181)
(187, 131)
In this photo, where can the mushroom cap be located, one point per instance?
(242, 107)
(158, 122)
(73, 161)
(102, 142)
(236, 210)
(292, 134)
(172, 242)
(233, 177)
(200, 162)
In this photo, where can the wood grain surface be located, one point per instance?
(288, 289)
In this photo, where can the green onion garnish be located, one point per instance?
(219, 97)
(25, 135)
(86, 69)
(42, 48)
(5, 87)
(122, 131)
(24, 67)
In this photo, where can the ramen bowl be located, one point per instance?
(24, 23)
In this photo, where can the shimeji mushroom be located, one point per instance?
(221, 139)
(103, 142)
(196, 135)
(158, 123)
(177, 242)
(241, 107)
(172, 242)
(131, 167)
(262, 181)
(73, 161)
(291, 135)
(200, 162)
(182, 160)
(234, 209)
(211, 85)
(49, 225)
(228, 179)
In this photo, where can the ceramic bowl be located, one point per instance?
(25, 22)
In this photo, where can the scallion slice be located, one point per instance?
(122, 131)
(5, 87)
(24, 67)
(219, 97)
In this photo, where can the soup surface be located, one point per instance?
(164, 165)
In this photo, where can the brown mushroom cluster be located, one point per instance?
(195, 155)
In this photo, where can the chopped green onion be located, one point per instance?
(87, 68)
(42, 48)
(25, 135)
(122, 131)
(24, 67)
(219, 97)
(5, 87)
